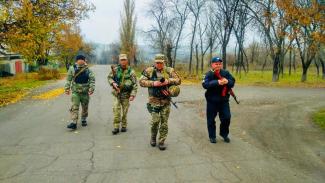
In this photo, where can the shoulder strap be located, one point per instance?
(78, 73)
(154, 74)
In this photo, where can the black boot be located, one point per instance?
(72, 126)
(226, 139)
(123, 129)
(213, 140)
(83, 123)
(115, 131)
(153, 141)
(162, 146)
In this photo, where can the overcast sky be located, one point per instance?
(103, 24)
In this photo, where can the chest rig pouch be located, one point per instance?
(124, 79)
(157, 91)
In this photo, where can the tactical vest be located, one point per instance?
(83, 77)
(124, 80)
(156, 91)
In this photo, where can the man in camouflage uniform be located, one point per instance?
(159, 101)
(123, 80)
(81, 81)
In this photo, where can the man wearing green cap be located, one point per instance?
(156, 78)
(81, 81)
(123, 80)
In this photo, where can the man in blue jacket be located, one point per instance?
(218, 83)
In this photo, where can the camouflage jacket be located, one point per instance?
(125, 79)
(88, 77)
(147, 80)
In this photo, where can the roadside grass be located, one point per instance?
(319, 118)
(258, 78)
(12, 89)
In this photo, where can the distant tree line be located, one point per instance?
(289, 33)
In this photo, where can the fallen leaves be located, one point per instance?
(11, 98)
(50, 94)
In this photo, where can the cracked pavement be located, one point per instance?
(273, 140)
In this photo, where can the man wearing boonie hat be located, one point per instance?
(158, 79)
(123, 80)
(218, 83)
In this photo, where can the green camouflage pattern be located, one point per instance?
(130, 79)
(80, 94)
(121, 101)
(168, 73)
(160, 57)
(120, 110)
(159, 122)
(174, 90)
(159, 108)
(77, 99)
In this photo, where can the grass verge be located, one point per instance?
(12, 89)
(319, 118)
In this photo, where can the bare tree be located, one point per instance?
(195, 7)
(254, 51)
(181, 13)
(226, 13)
(241, 22)
(161, 31)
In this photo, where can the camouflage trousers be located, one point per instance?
(159, 122)
(77, 99)
(120, 110)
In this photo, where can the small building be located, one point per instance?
(11, 64)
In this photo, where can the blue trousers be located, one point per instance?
(213, 108)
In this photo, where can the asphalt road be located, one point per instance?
(273, 140)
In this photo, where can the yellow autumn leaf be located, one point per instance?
(50, 94)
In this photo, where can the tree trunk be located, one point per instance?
(192, 42)
(294, 61)
(232, 68)
(169, 49)
(202, 63)
(290, 61)
(135, 60)
(224, 56)
(264, 64)
(197, 59)
(242, 60)
(237, 57)
(317, 67)
(276, 62)
(247, 64)
(323, 67)
(281, 67)
(211, 47)
(304, 73)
